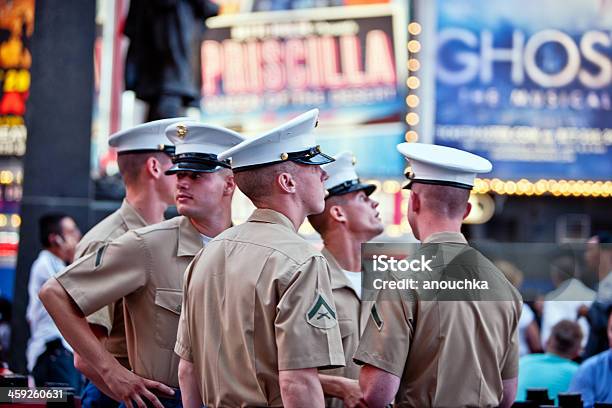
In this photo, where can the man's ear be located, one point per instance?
(337, 213)
(286, 182)
(468, 208)
(230, 185)
(415, 202)
(154, 167)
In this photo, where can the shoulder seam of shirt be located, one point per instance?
(84, 243)
(153, 228)
(313, 253)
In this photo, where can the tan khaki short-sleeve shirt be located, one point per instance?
(349, 309)
(447, 352)
(257, 300)
(110, 317)
(146, 268)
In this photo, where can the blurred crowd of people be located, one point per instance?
(565, 337)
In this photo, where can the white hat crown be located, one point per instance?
(443, 165)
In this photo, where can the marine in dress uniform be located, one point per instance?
(131, 145)
(447, 348)
(258, 315)
(145, 266)
(350, 218)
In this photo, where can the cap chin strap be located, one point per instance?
(439, 183)
(342, 187)
(201, 158)
(167, 149)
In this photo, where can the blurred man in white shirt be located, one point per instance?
(49, 356)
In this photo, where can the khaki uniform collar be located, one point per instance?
(271, 217)
(337, 276)
(189, 238)
(130, 216)
(445, 237)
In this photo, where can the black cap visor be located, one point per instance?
(349, 187)
(408, 186)
(312, 156)
(196, 162)
(167, 149)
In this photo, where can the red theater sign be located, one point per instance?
(331, 58)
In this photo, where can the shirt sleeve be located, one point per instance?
(306, 325)
(103, 317)
(83, 248)
(582, 383)
(386, 339)
(113, 271)
(511, 362)
(182, 347)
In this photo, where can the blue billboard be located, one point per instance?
(527, 84)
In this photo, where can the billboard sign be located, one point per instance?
(528, 87)
(263, 68)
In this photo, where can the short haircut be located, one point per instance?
(257, 183)
(565, 337)
(444, 201)
(132, 164)
(320, 222)
(50, 224)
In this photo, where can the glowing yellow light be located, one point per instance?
(486, 185)
(414, 64)
(391, 187)
(557, 188)
(412, 119)
(393, 230)
(523, 186)
(497, 185)
(414, 28)
(412, 101)
(414, 46)
(510, 187)
(413, 82)
(412, 136)
(15, 220)
(6, 177)
(3, 220)
(541, 187)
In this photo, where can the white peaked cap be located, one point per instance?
(294, 141)
(149, 136)
(442, 165)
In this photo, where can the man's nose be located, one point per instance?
(324, 175)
